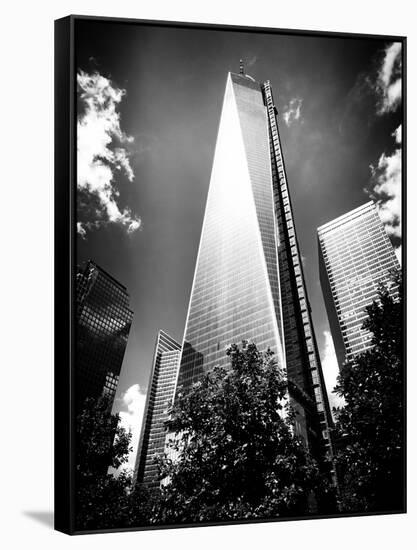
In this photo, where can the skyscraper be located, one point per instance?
(158, 401)
(103, 324)
(355, 256)
(248, 281)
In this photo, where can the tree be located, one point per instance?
(236, 455)
(370, 427)
(101, 441)
(104, 501)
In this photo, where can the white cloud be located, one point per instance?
(330, 370)
(385, 187)
(398, 253)
(133, 401)
(397, 134)
(98, 159)
(81, 230)
(292, 112)
(388, 84)
(251, 61)
(385, 183)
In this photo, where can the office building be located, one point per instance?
(248, 281)
(103, 320)
(158, 402)
(355, 256)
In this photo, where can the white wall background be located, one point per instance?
(26, 116)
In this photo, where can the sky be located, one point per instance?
(148, 108)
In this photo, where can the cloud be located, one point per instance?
(397, 134)
(385, 188)
(251, 61)
(292, 111)
(330, 370)
(81, 230)
(398, 251)
(101, 151)
(377, 90)
(133, 403)
(388, 84)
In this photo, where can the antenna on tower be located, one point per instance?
(241, 67)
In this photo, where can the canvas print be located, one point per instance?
(238, 289)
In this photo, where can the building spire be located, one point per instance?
(241, 67)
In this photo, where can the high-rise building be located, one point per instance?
(102, 330)
(158, 402)
(248, 281)
(355, 256)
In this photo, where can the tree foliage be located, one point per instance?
(104, 501)
(370, 427)
(101, 441)
(234, 454)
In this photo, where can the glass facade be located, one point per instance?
(158, 401)
(305, 376)
(355, 256)
(248, 282)
(236, 292)
(103, 324)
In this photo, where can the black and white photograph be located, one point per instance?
(237, 275)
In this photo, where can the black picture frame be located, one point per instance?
(65, 250)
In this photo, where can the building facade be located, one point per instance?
(248, 281)
(103, 321)
(355, 256)
(158, 401)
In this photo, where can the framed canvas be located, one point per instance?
(229, 274)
